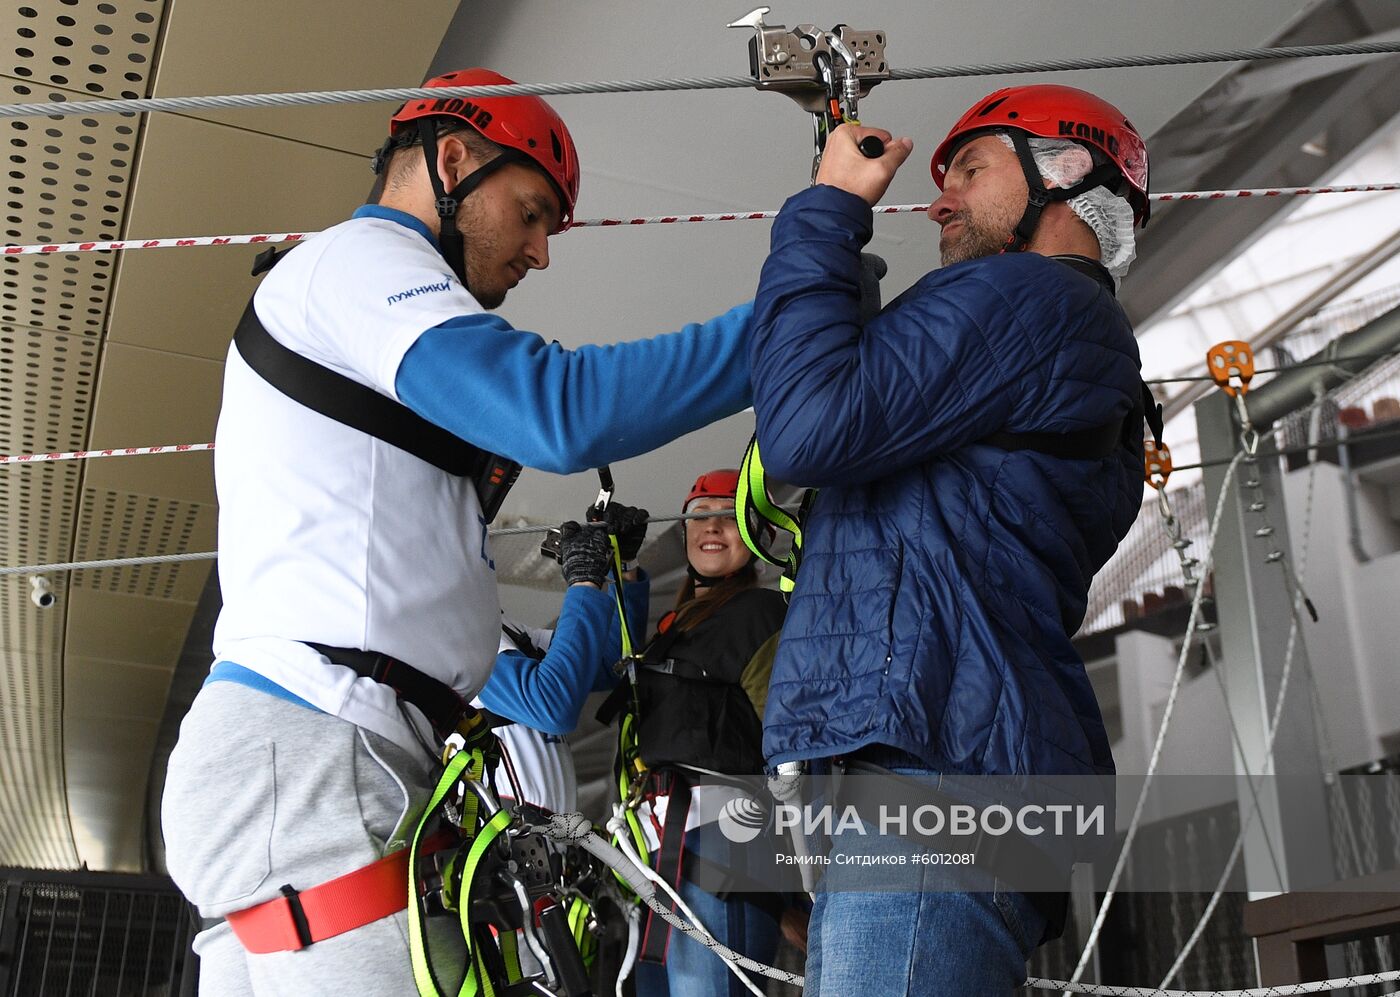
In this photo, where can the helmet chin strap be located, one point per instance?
(448, 203)
(1039, 197)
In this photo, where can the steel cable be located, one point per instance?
(398, 94)
(209, 555)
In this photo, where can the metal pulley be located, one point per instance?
(1156, 463)
(826, 72)
(1231, 365)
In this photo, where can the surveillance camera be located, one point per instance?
(40, 594)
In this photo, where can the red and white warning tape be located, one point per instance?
(1220, 195)
(729, 216)
(44, 458)
(106, 247)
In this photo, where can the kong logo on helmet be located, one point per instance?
(1077, 129)
(463, 109)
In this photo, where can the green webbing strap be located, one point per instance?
(489, 833)
(628, 756)
(587, 945)
(617, 594)
(510, 953)
(464, 764)
(578, 911)
(470, 765)
(756, 511)
(626, 768)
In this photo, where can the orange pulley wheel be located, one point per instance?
(1231, 364)
(1156, 463)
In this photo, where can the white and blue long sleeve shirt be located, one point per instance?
(332, 536)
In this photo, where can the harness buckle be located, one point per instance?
(447, 206)
(298, 913)
(1040, 197)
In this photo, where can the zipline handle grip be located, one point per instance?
(871, 147)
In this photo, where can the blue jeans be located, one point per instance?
(691, 970)
(925, 944)
(933, 939)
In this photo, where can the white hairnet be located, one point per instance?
(1064, 163)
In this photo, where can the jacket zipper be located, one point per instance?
(889, 620)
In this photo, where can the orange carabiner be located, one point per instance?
(1156, 463)
(1231, 364)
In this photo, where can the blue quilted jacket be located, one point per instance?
(942, 578)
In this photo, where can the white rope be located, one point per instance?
(1314, 433)
(634, 938)
(1255, 806)
(577, 830)
(399, 94)
(193, 241)
(1293, 631)
(618, 827)
(1191, 624)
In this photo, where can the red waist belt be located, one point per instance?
(298, 918)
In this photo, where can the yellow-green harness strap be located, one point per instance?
(629, 763)
(756, 512)
(510, 954)
(492, 830)
(617, 595)
(464, 764)
(468, 764)
(579, 911)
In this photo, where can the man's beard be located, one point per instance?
(481, 246)
(973, 241)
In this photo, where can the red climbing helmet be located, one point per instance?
(723, 483)
(525, 124)
(1054, 111)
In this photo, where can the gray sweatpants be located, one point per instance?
(262, 792)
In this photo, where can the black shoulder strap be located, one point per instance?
(1083, 444)
(660, 644)
(523, 641)
(352, 404)
(1096, 442)
(1091, 268)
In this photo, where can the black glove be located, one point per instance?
(584, 553)
(625, 522)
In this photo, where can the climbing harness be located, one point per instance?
(492, 874)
